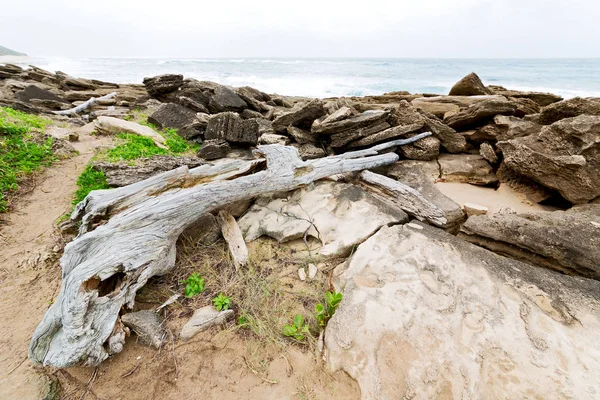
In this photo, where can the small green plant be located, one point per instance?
(222, 302)
(298, 329)
(325, 312)
(194, 284)
(242, 321)
(90, 179)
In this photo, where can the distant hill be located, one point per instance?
(8, 52)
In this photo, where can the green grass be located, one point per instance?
(90, 179)
(22, 150)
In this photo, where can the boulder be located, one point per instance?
(513, 127)
(385, 135)
(570, 108)
(301, 136)
(309, 151)
(32, 92)
(466, 168)
(340, 215)
(479, 113)
(249, 114)
(113, 126)
(470, 85)
(225, 99)
(302, 116)
(192, 104)
(488, 153)
(437, 109)
(163, 84)
(148, 326)
(78, 84)
(474, 209)
(213, 149)
(425, 149)
(421, 176)
(340, 114)
(355, 128)
(564, 156)
(460, 101)
(526, 187)
(231, 127)
(541, 99)
(123, 174)
(172, 115)
(568, 241)
(202, 319)
(524, 106)
(452, 141)
(427, 315)
(273, 138)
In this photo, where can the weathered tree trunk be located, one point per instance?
(128, 235)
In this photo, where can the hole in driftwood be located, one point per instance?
(104, 287)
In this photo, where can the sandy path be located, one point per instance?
(27, 283)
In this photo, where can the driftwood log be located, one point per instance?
(128, 235)
(85, 105)
(234, 238)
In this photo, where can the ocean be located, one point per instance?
(343, 77)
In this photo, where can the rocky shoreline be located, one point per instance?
(452, 317)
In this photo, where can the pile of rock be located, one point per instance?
(35, 90)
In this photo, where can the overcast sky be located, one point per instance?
(305, 28)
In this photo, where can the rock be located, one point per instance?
(479, 114)
(192, 104)
(570, 108)
(342, 113)
(428, 315)
(281, 102)
(460, 101)
(524, 106)
(527, 187)
(437, 109)
(452, 141)
(312, 271)
(148, 326)
(203, 319)
(470, 85)
(272, 138)
(564, 156)
(420, 176)
(310, 151)
(302, 274)
(213, 149)
(474, 209)
(302, 117)
(78, 84)
(301, 136)
(204, 230)
(342, 216)
(122, 174)
(568, 241)
(34, 92)
(425, 149)
(466, 168)
(231, 127)
(355, 128)
(488, 153)
(334, 105)
(541, 99)
(114, 126)
(225, 99)
(394, 132)
(50, 104)
(249, 114)
(163, 84)
(172, 115)
(513, 127)
(84, 95)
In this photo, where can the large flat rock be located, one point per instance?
(340, 215)
(568, 241)
(426, 315)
